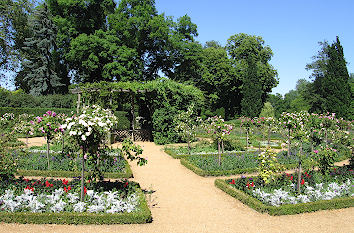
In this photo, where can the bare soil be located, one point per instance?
(185, 202)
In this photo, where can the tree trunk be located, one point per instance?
(299, 177)
(222, 146)
(219, 158)
(83, 175)
(326, 137)
(289, 142)
(247, 139)
(268, 135)
(48, 154)
(62, 148)
(189, 145)
(299, 171)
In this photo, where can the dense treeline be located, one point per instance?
(51, 44)
(330, 89)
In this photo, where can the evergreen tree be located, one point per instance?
(251, 103)
(41, 76)
(331, 85)
(335, 87)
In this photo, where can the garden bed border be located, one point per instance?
(69, 174)
(288, 209)
(143, 215)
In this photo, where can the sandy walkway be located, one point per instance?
(186, 202)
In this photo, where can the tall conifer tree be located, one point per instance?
(42, 77)
(335, 89)
(251, 103)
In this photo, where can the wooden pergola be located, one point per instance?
(79, 92)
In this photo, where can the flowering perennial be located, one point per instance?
(279, 196)
(62, 200)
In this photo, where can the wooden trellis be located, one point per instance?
(79, 91)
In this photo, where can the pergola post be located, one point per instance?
(132, 114)
(78, 103)
(109, 133)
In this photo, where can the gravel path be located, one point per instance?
(185, 202)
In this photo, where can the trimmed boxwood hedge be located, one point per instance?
(174, 155)
(202, 172)
(288, 209)
(112, 175)
(143, 215)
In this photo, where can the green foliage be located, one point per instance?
(42, 76)
(331, 84)
(164, 125)
(268, 165)
(14, 17)
(325, 159)
(19, 99)
(186, 125)
(35, 111)
(241, 48)
(267, 110)
(252, 202)
(251, 103)
(133, 152)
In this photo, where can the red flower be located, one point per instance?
(252, 184)
(291, 178)
(65, 189)
(47, 184)
(65, 182)
(126, 184)
(232, 181)
(85, 190)
(302, 181)
(29, 188)
(69, 188)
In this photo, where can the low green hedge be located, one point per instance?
(143, 215)
(288, 209)
(202, 172)
(112, 175)
(180, 156)
(35, 111)
(174, 155)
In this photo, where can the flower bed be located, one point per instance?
(280, 196)
(238, 163)
(33, 163)
(234, 163)
(57, 201)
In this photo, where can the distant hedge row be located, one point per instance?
(35, 111)
(19, 99)
(123, 121)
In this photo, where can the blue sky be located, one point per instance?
(291, 28)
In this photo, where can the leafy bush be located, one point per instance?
(19, 99)
(230, 144)
(35, 111)
(164, 125)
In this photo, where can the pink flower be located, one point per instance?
(316, 151)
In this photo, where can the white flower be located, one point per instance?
(79, 207)
(58, 207)
(83, 137)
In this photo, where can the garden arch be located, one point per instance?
(135, 134)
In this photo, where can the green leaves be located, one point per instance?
(133, 152)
